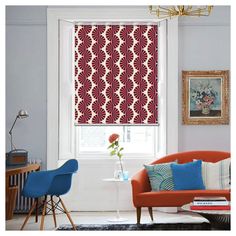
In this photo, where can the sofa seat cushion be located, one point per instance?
(175, 198)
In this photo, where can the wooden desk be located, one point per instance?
(11, 191)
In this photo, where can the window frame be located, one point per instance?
(170, 121)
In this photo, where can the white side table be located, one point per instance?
(117, 183)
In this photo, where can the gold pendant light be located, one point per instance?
(172, 11)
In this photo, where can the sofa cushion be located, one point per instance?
(188, 176)
(160, 176)
(216, 175)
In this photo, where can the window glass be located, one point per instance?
(134, 139)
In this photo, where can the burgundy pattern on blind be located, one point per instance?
(116, 74)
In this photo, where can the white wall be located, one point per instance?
(90, 193)
(26, 68)
(204, 44)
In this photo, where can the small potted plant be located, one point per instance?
(115, 150)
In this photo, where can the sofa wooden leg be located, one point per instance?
(138, 211)
(150, 212)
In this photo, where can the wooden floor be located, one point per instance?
(99, 218)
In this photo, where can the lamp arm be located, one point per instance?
(10, 132)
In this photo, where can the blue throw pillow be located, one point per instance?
(160, 176)
(187, 176)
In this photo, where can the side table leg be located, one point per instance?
(117, 218)
(117, 201)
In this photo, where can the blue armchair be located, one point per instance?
(49, 183)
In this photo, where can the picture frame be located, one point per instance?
(205, 97)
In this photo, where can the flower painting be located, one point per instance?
(205, 97)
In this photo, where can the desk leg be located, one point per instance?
(10, 201)
(117, 218)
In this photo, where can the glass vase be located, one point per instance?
(118, 169)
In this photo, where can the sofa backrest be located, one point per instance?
(184, 157)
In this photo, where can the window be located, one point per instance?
(60, 126)
(95, 88)
(137, 140)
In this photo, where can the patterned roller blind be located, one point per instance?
(116, 74)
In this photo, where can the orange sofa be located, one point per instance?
(144, 197)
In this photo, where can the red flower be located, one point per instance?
(113, 137)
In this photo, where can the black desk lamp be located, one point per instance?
(21, 115)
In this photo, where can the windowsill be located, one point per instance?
(126, 157)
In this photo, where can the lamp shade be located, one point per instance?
(23, 114)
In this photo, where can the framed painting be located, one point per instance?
(205, 97)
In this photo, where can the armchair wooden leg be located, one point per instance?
(28, 216)
(138, 212)
(36, 210)
(53, 212)
(150, 212)
(43, 213)
(67, 214)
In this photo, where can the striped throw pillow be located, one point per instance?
(160, 176)
(216, 175)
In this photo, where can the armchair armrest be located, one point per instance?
(140, 183)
